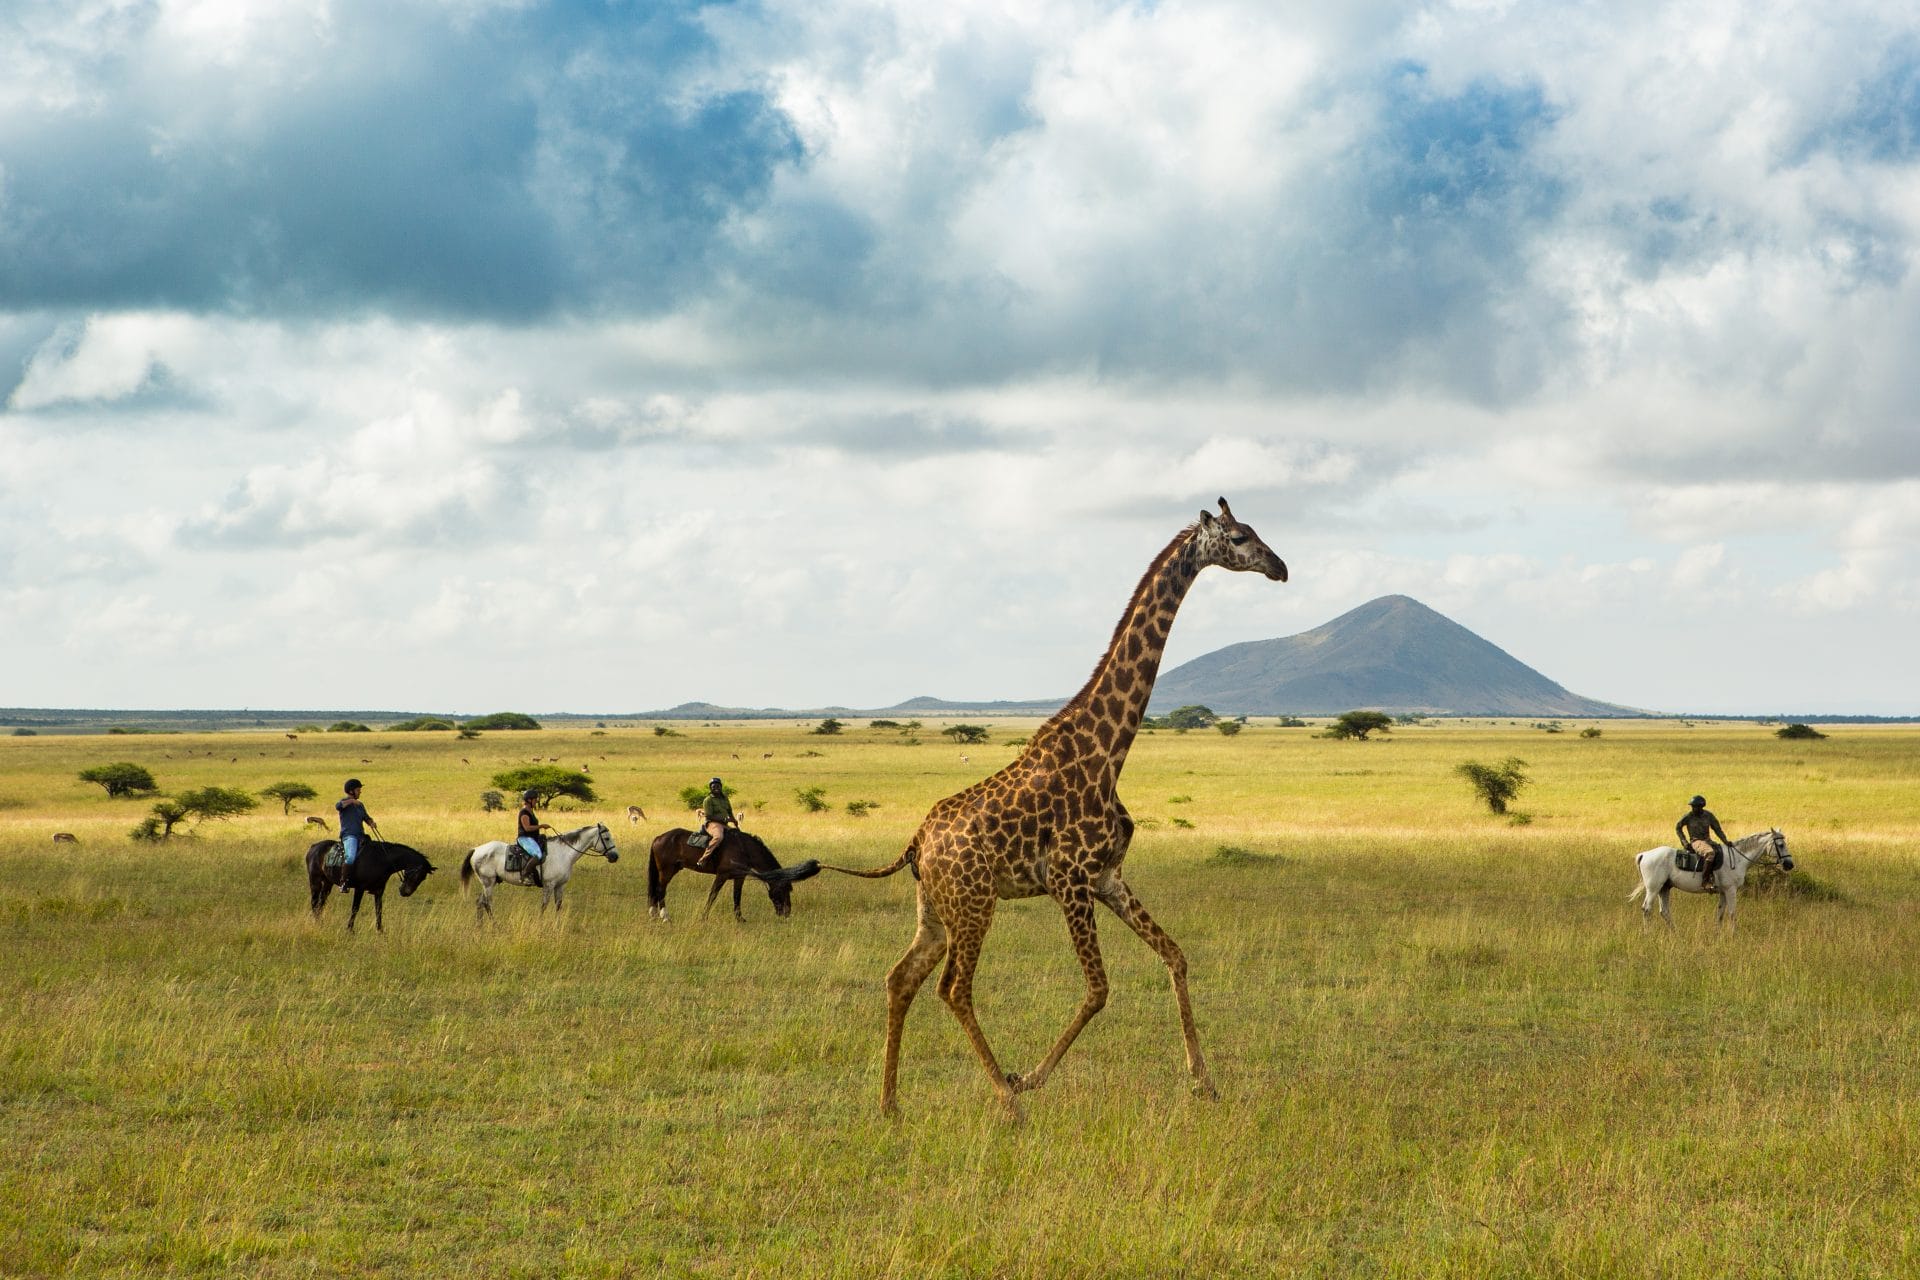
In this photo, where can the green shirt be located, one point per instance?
(716, 808)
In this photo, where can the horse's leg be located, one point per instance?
(1730, 905)
(903, 983)
(711, 895)
(355, 913)
(1666, 906)
(379, 925)
(557, 902)
(317, 890)
(739, 883)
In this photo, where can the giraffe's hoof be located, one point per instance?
(1014, 1081)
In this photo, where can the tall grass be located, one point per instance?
(1446, 1046)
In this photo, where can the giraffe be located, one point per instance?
(1050, 823)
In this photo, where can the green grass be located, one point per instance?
(1444, 1043)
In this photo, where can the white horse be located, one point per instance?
(489, 862)
(1659, 875)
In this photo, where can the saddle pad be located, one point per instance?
(335, 857)
(1685, 860)
(698, 840)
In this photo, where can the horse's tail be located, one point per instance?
(909, 857)
(656, 892)
(1639, 890)
(466, 871)
(791, 875)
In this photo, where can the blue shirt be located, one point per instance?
(353, 817)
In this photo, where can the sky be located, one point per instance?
(599, 356)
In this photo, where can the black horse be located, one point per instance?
(741, 855)
(372, 867)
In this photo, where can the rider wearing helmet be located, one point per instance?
(1693, 829)
(529, 837)
(354, 821)
(716, 813)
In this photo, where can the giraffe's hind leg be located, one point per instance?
(903, 983)
(1071, 891)
(1115, 894)
(956, 988)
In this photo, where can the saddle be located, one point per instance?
(1687, 860)
(334, 858)
(517, 859)
(698, 840)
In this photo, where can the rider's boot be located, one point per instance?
(709, 860)
(533, 874)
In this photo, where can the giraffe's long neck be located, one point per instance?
(1110, 707)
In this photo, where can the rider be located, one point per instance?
(1694, 828)
(354, 821)
(529, 837)
(716, 813)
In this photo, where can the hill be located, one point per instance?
(1394, 654)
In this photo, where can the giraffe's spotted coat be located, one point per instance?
(1051, 823)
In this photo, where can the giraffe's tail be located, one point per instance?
(909, 857)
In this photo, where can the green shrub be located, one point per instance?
(1495, 784)
(1801, 731)
(503, 720)
(812, 799)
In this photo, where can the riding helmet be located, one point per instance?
(1698, 802)
(353, 784)
(529, 795)
(713, 782)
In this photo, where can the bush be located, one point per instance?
(419, 724)
(1806, 731)
(547, 781)
(347, 726)
(859, 808)
(694, 797)
(812, 799)
(122, 779)
(159, 825)
(1590, 732)
(1193, 717)
(287, 792)
(492, 801)
(1358, 724)
(24, 732)
(467, 734)
(883, 724)
(1495, 784)
(828, 727)
(503, 720)
(662, 731)
(1228, 727)
(1233, 855)
(1292, 722)
(965, 733)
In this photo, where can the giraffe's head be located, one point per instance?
(1226, 542)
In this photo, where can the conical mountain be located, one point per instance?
(1390, 654)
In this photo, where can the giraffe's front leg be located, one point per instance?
(1071, 890)
(1114, 892)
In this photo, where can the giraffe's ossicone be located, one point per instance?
(1051, 823)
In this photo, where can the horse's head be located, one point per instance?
(411, 875)
(1780, 853)
(603, 841)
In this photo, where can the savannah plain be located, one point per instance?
(1445, 1044)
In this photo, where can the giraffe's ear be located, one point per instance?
(1206, 517)
(1225, 511)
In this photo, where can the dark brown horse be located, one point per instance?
(372, 867)
(741, 855)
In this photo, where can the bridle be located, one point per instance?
(601, 836)
(1774, 851)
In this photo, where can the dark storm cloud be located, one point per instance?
(505, 166)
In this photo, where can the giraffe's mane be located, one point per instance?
(1119, 628)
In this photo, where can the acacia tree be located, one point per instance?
(1358, 724)
(216, 802)
(965, 733)
(124, 778)
(159, 825)
(547, 781)
(1190, 717)
(1496, 784)
(287, 792)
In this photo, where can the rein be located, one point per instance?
(592, 845)
(1772, 850)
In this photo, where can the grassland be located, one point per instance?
(1445, 1045)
